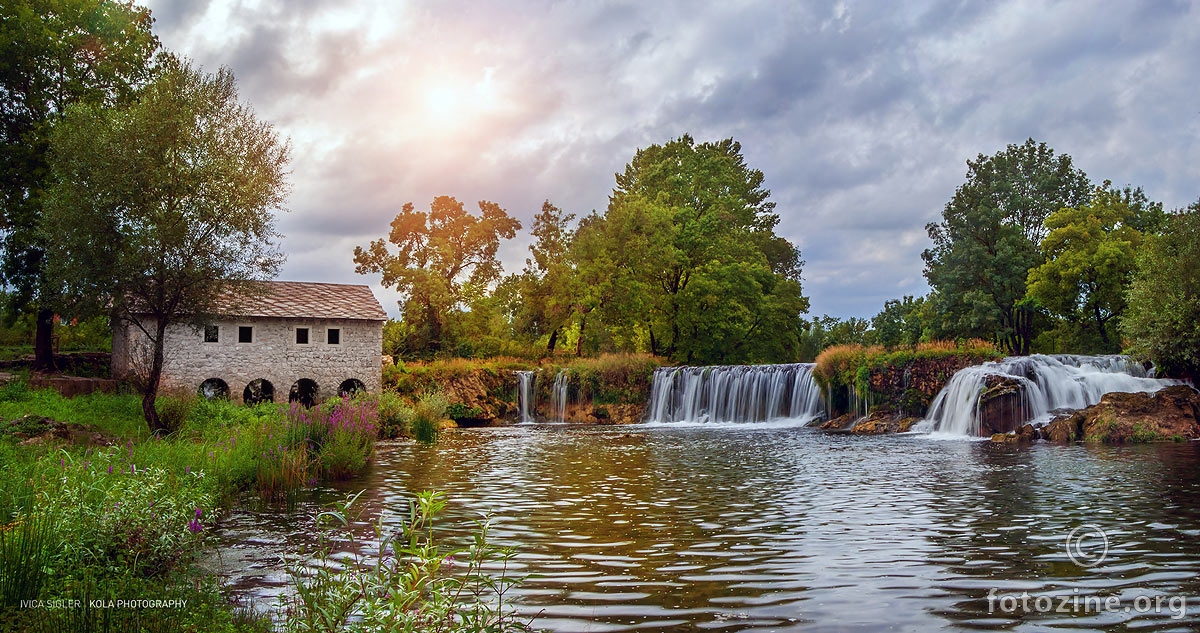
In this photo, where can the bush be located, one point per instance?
(394, 415)
(172, 412)
(428, 416)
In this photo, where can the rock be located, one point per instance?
(618, 413)
(33, 430)
(1004, 438)
(1064, 429)
(1028, 433)
(841, 424)
(1001, 405)
(882, 422)
(1170, 414)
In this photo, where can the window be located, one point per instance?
(302, 336)
(211, 334)
(245, 333)
(333, 336)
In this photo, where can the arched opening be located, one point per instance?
(351, 386)
(304, 391)
(259, 390)
(214, 389)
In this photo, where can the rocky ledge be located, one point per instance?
(878, 423)
(1172, 414)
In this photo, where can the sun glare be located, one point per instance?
(453, 101)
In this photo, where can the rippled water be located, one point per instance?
(662, 528)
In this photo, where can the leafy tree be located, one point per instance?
(163, 207)
(54, 53)
(899, 323)
(547, 285)
(989, 238)
(445, 258)
(1090, 252)
(1162, 321)
(825, 331)
(728, 289)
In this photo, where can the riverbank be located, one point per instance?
(608, 389)
(92, 506)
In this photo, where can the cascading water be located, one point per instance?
(558, 396)
(1046, 383)
(525, 396)
(735, 393)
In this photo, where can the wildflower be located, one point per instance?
(187, 470)
(194, 526)
(132, 469)
(62, 463)
(110, 469)
(199, 512)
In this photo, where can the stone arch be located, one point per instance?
(351, 386)
(259, 390)
(304, 391)
(213, 389)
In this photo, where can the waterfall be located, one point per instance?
(736, 393)
(525, 397)
(1047, 383)
(558, 396)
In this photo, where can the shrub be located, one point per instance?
(172, 412)
(394, 415)
(428, 416)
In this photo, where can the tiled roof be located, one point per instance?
(310, 300)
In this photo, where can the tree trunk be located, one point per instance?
(552, 342)
(43, 341)
(150, 395)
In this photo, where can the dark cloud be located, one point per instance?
(861, 115)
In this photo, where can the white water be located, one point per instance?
(525, 397)
(735, 394)
(1047, 383)
(558, 396)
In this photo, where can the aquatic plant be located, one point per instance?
(413, 583)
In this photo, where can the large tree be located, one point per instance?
(163, 208)
(729, 289)
(989, 238)
(546, 288)
(1162, 320)
(54, 53)
(443, 258)
(1089, 261)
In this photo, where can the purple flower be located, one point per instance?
(62, 463)
(194, 526)
(110, 469)
(187, 470)
(132, 469)
(199, 512)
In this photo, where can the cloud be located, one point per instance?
(861, 115)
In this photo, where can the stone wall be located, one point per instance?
(273, 355)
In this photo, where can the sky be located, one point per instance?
(861, 115)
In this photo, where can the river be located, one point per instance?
(743, 527)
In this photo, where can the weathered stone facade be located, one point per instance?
(276, 351)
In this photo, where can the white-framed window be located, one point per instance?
(333, 335)
(212, 334)
(245, 334)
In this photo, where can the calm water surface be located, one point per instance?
(735, 528)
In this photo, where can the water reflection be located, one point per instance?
(685, 529)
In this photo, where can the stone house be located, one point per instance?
(301, 341)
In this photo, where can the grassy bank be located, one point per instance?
(127, 520)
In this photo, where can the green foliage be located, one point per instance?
(1162, 320)
(899, 323)
(428, 416)
(460, 411)
(395, 415)
(173, 411)
(444, 258)
(1090, 254)
(988, 241)
(610, 378)
(413, 584)
(55, 53)
(134, 229)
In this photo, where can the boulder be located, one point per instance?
(1001, 405)
(1119, 418)
(881, 422)
(841, 424)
